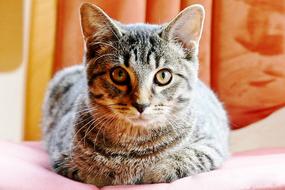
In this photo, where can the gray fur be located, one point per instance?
(87, 120)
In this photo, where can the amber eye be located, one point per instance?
(119, 75)
(163, 77)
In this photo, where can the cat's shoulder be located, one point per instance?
(64, 79)
(69, 72)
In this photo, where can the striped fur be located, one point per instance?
(94, 133)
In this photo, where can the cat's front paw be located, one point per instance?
(61, 168)
(164, 174)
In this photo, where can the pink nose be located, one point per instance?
(140, 107)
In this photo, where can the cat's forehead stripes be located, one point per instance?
(127, 59)
(152, 62)
(141, 48)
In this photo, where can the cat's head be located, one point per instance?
(142, 73)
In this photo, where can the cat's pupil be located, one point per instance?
(121, 73)
(163, 75)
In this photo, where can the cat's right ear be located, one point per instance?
(186, 27)
(95, 22)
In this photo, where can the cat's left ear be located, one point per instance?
(186, 28)
(95, 22)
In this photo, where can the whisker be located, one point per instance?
(102, 125)
(73, 146)
(97, 124)
(104, 55)
(90, 123)
(104, 43)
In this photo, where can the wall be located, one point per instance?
(13, 63)
(40, 61)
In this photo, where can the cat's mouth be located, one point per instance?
(140, 120)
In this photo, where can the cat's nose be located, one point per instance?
(140, 107)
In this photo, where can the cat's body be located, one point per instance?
(184, 129)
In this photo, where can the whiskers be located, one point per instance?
(121, 108)
(98, 124)
(103, 43)
(89, 119)
(105, 55)
(178, 124)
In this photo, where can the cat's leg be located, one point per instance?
(186, 162)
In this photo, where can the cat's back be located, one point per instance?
(61, 95)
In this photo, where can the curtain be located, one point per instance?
(248, 57)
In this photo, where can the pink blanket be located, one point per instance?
(25, 167)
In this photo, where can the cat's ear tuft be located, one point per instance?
(94, 21)
(186, 27)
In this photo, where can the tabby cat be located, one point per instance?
(135, 111)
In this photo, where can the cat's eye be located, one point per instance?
(163, 77)
(119, 75)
